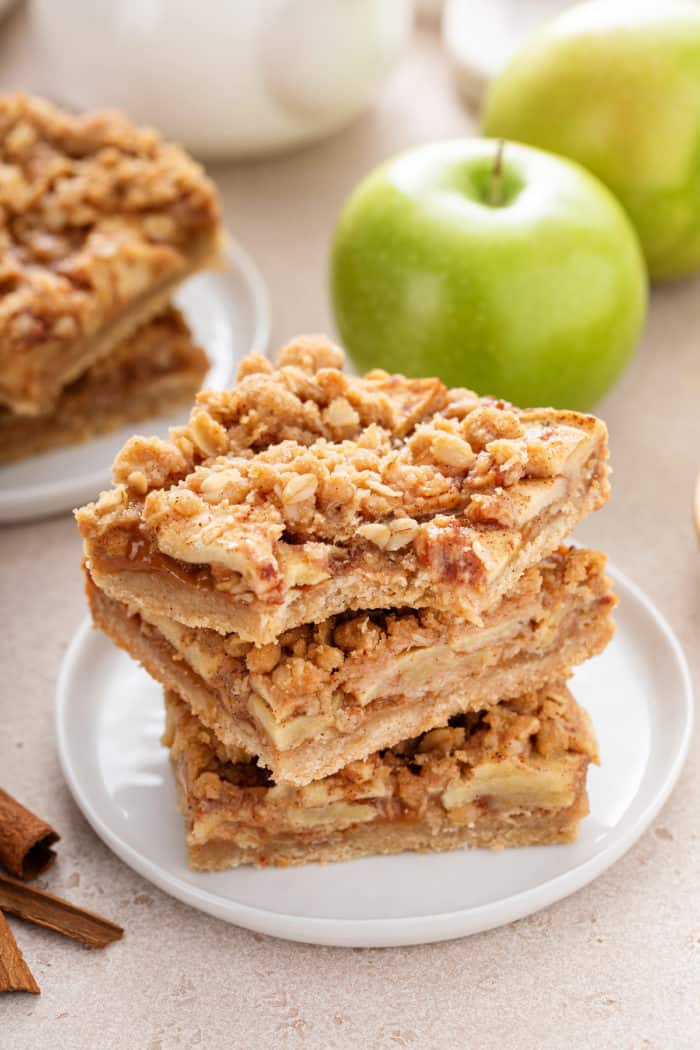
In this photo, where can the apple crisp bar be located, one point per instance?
(304, 492)
(327, 694)
(99, 221)
(514, 775)
(156, 370)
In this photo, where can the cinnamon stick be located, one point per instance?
(26, 902)
(25, 839)
(15, 975)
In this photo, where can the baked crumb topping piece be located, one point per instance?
(524, 756)
(273, 484)
(95, 216)
(155, 371)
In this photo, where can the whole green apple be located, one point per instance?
(494, 266)
(616, 86)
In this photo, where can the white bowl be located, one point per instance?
(223, 78)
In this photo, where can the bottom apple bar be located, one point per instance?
(514, 775)
(155, 371)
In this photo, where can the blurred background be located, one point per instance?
(289, 102)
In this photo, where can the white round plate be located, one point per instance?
(228, 312)
(109, 718)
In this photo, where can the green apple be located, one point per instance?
(615, 86)
(494, 266)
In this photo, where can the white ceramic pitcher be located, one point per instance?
(224, 77)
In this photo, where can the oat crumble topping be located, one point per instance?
(304, 453)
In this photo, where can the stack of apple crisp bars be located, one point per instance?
(355, 594)
(99, 224)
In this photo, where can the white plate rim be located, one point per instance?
(386, 932)
(49, 492)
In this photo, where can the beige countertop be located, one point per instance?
(615, 965)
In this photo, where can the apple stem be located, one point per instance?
(496, 184)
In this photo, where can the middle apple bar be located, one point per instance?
(330, 693)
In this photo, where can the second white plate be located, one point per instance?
(109, 718)
(228, 312)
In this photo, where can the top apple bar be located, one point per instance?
(99, 221)
(304, 492)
